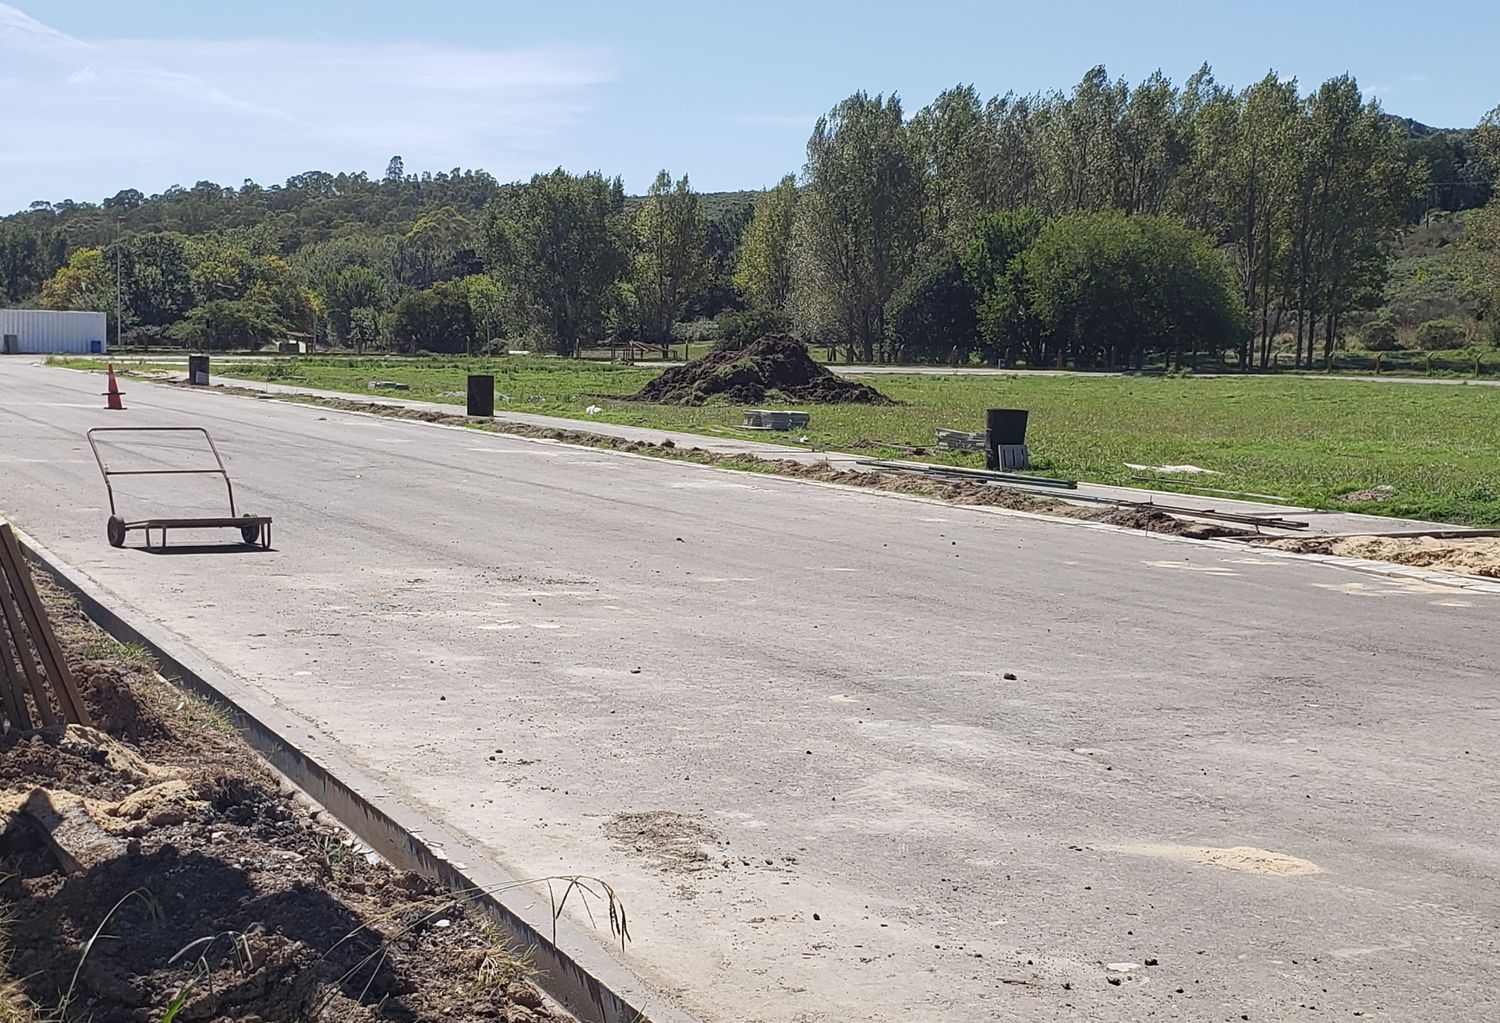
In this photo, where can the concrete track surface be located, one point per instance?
(848, 756)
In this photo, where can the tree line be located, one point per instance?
(1110, 224)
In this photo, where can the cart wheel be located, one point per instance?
(116, 531)
(251, 534)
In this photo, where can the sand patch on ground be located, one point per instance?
(1479, 556)
(1243, 859)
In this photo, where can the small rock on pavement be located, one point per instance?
(1009, 676)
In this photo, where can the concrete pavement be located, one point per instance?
(780, 718)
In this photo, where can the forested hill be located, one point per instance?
(308, 208)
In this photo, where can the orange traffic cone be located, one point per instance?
(114, 392)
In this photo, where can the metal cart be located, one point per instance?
(254, 529)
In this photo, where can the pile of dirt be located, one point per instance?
(1478, 556)
(209, 886)
(775, 368)
(1153, 520)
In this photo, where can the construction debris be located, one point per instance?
(775, 366)
(36, 686)
(958, 440)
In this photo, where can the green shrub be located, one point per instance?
(1379, 335)
(695, 331)
(740, 328)
(1436, 334)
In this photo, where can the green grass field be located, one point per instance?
(1307, 440)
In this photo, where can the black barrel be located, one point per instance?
(481, 394)
(198, 370)
(1002, 426)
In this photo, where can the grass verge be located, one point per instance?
(1413, 451)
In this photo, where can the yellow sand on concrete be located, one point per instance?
(1241, 858)
(1479, 556)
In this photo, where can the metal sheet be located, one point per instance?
(50, 332)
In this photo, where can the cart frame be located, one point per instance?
(254, 529)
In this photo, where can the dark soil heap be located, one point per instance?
(775, 367)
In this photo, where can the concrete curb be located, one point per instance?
(570, 966)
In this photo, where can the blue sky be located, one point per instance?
(99, 95)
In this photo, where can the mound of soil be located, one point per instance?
(1154, 521)
(277, 912)
(775, 367)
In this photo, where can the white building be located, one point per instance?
(46, 332)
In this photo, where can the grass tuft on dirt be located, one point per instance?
(178, 881)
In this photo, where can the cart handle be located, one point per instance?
(107, 472)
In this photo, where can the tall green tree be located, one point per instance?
(486, 307)
(1351, 185)
(670, 261)
(83, 283)
(1151, 148)
(1249, 183)
(155, 276)
(228, 324)
(1487, 144)
(351, 299)
(440, 246)
(858, 222)
(436, 320)
(28, 256)
(1078, 144)
(994, 263)
(557, 245)
(764, 274)
(958, 143)
(931, 317)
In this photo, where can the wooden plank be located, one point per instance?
(43, 638)
(10, 684)
(12, 615)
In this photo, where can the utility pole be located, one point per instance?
(119, 300)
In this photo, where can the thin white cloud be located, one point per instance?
(268, 108)
(20, 31)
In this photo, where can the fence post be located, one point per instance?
(1377, 363)
(1476, 367)
(1429, 364)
